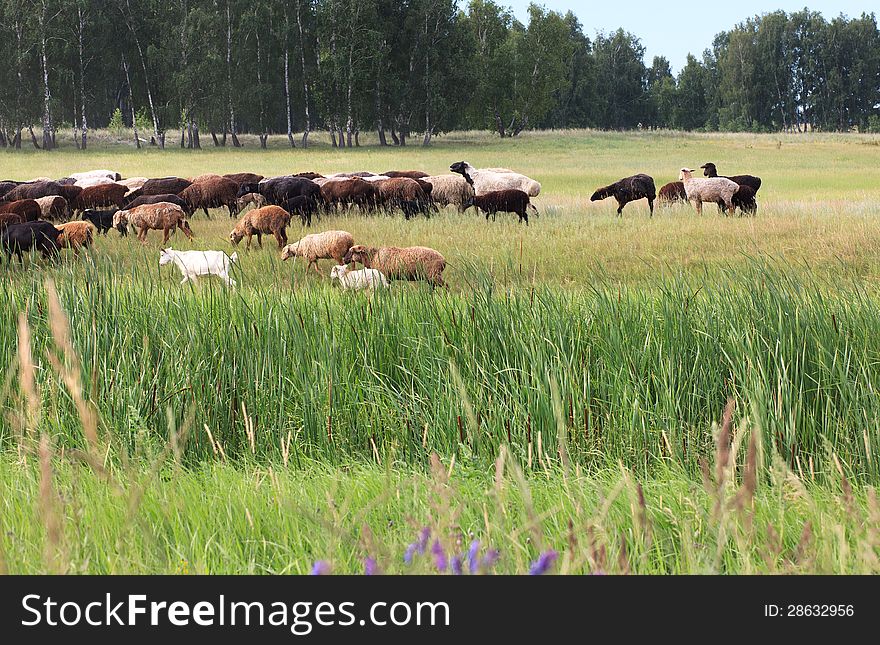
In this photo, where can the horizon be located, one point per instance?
(673, 38)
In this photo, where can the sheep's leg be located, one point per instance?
(248, 245)
(651, 206)
(698, 205)
(166, 233)
(283, 242)
(278, 239)
(259, 239)
(620, 205)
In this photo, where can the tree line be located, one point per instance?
(407, 68)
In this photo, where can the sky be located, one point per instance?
(672, 28)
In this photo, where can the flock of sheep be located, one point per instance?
(102, 199)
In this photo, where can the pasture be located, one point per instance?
(592, 355)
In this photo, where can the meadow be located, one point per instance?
(568, 387)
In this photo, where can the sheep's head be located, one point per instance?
(120, 222)
(338, 272)
(235, 236)
(165, 256)
(469, 203)
(595, 197)
(463, 168)
(244, 189)
(685, 173)
(357, 253)
(709, 169)
(289, 251)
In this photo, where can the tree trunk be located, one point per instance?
(47, 95)
(394, 137)
(263, 138)
(229, 78)
(263, 134)
(134, 127)
(82, 85)
(307, 126)
(499, 124)
(160, 136)
(333, 136)
(16, 142)
(197, 145)
(214, 138)
(287, 97)
(33, 137)
(357, 141)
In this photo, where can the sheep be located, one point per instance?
(744, 199)
(319, 246)
(409, 263)
(255, 199)
(162, 186)
(451, 189)
(155, 199)
(412, 174)
(28, 209)
(627, 190)
(671, 193)
(309, 175)
(707, 190)
(53, 207)
(484, 181)
(302, 206)
(358, 280)
(6, 185)
(268, 219)
(751, 181)
(205, 177)
(350, 192)
(278, 190)
(392, 192)
(6, 219)
(195, 263)
(75, 235)
(244, 178)
(96, 196)
(18, 239)
(505, 201)
(34, 190)
(70, 193)
(101, 219)
(133, 183)
(102, 172)
(214, 192)
(163, 216)
(88, 182)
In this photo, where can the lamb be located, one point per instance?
(102, 172)
(28, 209)
(255, 199)
(195, 263)
(627, 190)
(451, 189)
(53, 207)
(96, 196)
(214, 192)
(269, 219)
(751, 181)
(302, 206)
(358, 280)
(163, 216)
(485, 181)
(504, 201)
(75, 235)
(409, 263)
(18, 239)
(713, 189)
(671, 193)
(319, 246)
(102, 220)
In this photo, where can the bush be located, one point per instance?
(116, 124)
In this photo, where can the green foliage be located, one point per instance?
(116, 125)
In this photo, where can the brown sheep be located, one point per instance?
(33, 190)
(205, 177)
(98, 196)
(309, 175)
(163, 217)
(392, 192)
(269, 219)
(29, 209)
(214, 192)
(69, 193)
(244, 178)
(11, 218)
(54, 207)
(350, 192)
(412, 174)
(162, 186)
(410, 263)
(75, 235)
(320, 246)
(672, 193)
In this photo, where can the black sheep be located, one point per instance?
(18, 239)
(751, 181)
(279, 189)
(627, 190)
(302, 206)
(503, 201)
(102, 219)
(744, 200)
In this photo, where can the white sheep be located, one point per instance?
(488, 180)
(88, 182)
(358, 280)
(196, 263)
(450, 189)
(712, 189)
(90, 174)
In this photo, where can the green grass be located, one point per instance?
(594, 349)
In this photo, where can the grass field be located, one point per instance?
(223, 431)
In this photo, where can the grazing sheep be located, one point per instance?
(54, 207)
(302, 206)
(279, 189)
(18, 239)
(627, 190)
(163, 217)
(12, 218)
(34, 190)
(70, 193)
(485, 181)
(358, 280)
(449, 190)
(112, 175)
(503, 201)
(347, 192)
(75, 235)
(751, 181)
(409, 263)
(392, 192)
(88, 182)
(744, 200)
(707, 190)
(29, 209)
(195, 263)
(155, 199)
(162, 186)
(97, 196)
(412, 174)
(101, 219)
(244, 177)
(320, 246)
(268, 219)
(671, 193)
(254, 199)
(214, 192)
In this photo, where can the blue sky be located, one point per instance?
(672, 28)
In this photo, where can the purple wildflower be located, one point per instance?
(410, 552)
(473, 554)
(543, 563)
(424, 535)
(370, 567)
(321, 568)
(439, 556)
(456, 564)
(489, 559)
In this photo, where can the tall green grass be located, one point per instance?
(612, 374)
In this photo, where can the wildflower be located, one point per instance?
(424, 535)
(489, 559)
(473, 554)
(410, 552)
(370, 567)
(456, 564)
(439, 556)
(321, 568)
(543, 563)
